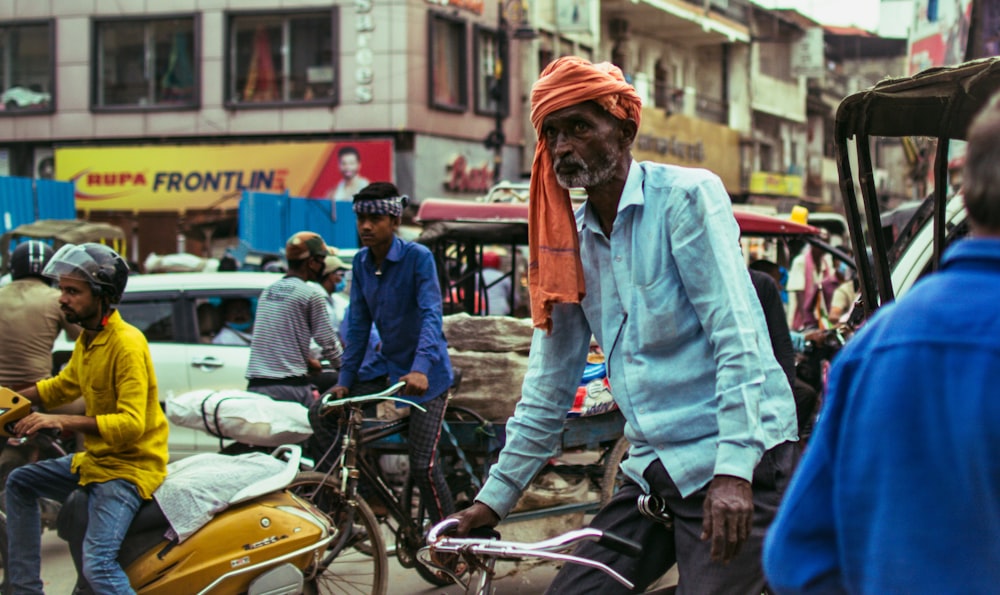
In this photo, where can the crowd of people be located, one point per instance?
(894, 488)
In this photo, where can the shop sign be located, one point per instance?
(775, 184)
(181, 177)
(364, 76)
(463, 177)
(681, 140)
(473, 6)
(671, 147)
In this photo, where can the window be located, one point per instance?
(226, 319)
(447, 60)
(146, 64)
(285, 58)
(491, 94)
(661, 86)
(26, 56)
(546, 53)
(155, 318)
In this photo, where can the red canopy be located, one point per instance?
(463, 211)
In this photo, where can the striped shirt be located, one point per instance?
(289, 314)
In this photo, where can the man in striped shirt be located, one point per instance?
(290, 313)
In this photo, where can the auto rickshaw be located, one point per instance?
(58, 232)
(935, 105)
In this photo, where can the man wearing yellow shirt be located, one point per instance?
(125, 432)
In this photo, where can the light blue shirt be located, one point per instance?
(689, 357)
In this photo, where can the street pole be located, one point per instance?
(498, 91)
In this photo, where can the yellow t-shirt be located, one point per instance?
(115, 377)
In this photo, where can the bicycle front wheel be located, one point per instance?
(613, 475)
(356, 561)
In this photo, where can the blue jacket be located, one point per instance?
(404, 302)
(899, 489)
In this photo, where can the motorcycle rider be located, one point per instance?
(124, 457)
(32, 318)
(31, 322)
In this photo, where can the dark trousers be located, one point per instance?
(422, 441)
(304, 394)
(663, 547)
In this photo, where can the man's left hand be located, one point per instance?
(416, 384)
(728, 516)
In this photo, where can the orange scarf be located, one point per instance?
(555, 272)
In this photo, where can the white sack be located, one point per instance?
(250, 418)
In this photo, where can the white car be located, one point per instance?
(166, 308)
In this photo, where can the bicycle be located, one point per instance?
(359, 444)
(482, 552)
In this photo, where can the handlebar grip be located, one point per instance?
(620, 545)
(484, 533)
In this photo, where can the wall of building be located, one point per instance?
(382, 71)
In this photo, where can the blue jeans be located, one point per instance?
(112, 506)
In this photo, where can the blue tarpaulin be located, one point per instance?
(267, 220)
(24, 200)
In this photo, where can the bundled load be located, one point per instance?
(246, 417)
(179, 263)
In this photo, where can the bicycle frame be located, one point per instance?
(353, 467)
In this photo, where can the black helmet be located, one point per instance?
(97, 264)
(29, 259)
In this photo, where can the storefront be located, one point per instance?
(450, 168)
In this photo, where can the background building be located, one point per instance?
(163, 113)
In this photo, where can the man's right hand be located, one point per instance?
(338, 392)
(473, 517)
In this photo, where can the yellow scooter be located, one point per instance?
(275, 543)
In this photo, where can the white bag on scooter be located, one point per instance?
(247, 417)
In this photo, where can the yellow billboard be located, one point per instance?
(776, 184)
(691, 142)
(182, 177)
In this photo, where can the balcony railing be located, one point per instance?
(711, 109)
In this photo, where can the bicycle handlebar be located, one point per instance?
(549, 549)
(385, 395)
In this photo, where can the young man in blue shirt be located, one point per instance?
(395, 285)
(651, 267)
(899, 490)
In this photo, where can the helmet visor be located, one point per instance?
(71, 260)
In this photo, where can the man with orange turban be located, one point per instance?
(651, 267)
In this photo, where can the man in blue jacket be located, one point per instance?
(899, 490)
(395, 286)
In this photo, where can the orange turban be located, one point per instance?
(555, 272)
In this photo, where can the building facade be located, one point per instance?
(163, 113)
(162, 110)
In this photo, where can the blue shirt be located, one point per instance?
(689, 358)
(899, 488)
(404, 302)
(373, 364)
